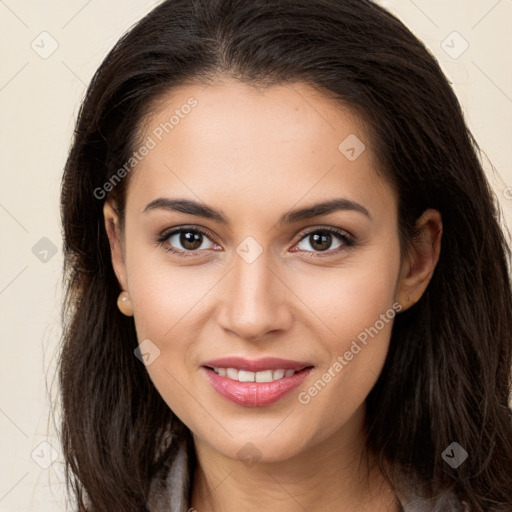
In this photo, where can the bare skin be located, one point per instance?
(254, 156)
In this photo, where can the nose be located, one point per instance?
(257, 300)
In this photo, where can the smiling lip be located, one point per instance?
(259, 365)
(255, 394)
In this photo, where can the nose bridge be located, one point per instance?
(256, 302)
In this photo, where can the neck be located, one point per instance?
(336, 474)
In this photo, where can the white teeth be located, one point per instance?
(266, 376)
(232, 373)
(246, 376)
(278, 374)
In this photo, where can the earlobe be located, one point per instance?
(112, 228)
(124, 304)
(418, 268)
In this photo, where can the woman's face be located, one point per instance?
(268, 279)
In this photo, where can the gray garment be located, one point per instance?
(171, 487)
(448, 502)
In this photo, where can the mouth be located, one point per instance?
(255, 383)
(247, 376)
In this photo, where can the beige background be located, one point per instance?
(39, 99)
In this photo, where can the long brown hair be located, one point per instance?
(447, 377)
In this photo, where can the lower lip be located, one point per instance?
(255, 394)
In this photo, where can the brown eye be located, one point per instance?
(185, 239)
(321, 240)
(189, 240)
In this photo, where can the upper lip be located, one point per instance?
(257, 365)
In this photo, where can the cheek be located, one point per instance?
(166, 296)
(359, 308)
(167, 301)
(352, 297)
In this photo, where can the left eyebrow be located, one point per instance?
(323, 209)
(201, 210)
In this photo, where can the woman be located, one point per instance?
(288, 287)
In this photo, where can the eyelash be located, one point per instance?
(347, 239)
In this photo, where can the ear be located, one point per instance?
(419, 264)
(116, 242)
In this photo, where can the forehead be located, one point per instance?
(283, 143)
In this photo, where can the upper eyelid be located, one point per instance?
(336, 231)
(179, 229)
